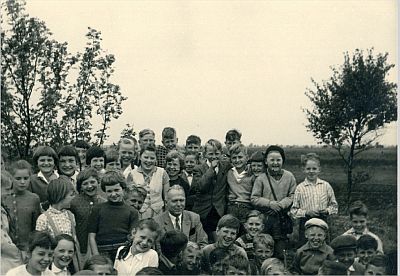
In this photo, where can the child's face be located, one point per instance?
(81, 154)
(212, 153)
(102, 269)
(217, 268)
(40, 259)
(346, 256)
(190, 163)
(173, 167)
(148, 160)
(257, 168)
(63, 253)
(67, 165)
(89, 186)
(239, 160)
(146, 140)
(45, 164)
(66, 202)
(97, 163)
(274, 161)
(230, 143)
(196, 148)
(226, 236)
(312, 170)
(143, 240)
(135, 200)
(359, 223)
(191, 258)
(365, 255)
(315, 236)
(21, 180)
(375, 270)
(231, 270)
(113, 166)
(126, 154)
(263, 252)
(254, 226)
(170, 143)
(114, 193)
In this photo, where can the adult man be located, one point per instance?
(176, 218)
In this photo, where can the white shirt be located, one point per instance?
(59, 272)
(173, 219)
(352, 232)
(131, 264)
(21, 271)
(189, 178)
(209, 165)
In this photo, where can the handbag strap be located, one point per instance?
(270, 185)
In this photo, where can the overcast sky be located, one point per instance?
(204, 67)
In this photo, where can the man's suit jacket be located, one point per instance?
(211, 189)
(191, 226)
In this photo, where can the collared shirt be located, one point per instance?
(189, 177)
(352, 232)
(131, 264)
(313, 197)
(161, 153)
(308, 260)
(173, 219)
(59, 272)
(53, 176)
(209, 165)
(21, 271)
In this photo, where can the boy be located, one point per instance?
(135, 196)
(95, 157)
(332, 268)
(232, 137)
(193, 144)
(217, 262)
(237, 265)
(254, 225)
(263, 249)
(378, 265)
(345, 250)
(359, 219)
(209, 184)
(257, 166)
(311, 256)
(68, 163)
(81, 147)
(127, 154)
(367, 248)
(227, 229)
(112, 160)
(191, 160)
(190, 264)
(169, 142)
(174, 166)
(172, 244)
(111, 222)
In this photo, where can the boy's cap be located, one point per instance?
(335, 268)
(316, 222)
(258, 156)
(276, 148)
(344, 242)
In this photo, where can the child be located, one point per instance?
(272, 194)
(378, 265)
(311, 256)
(112, 161)
(359, 219)
(232, 137)
(174, 166)
(110, 222)
(95, 157)
(237, 265)
(146, 138)
(254, 225)
(367, 248)
(127, 154)
(332, 268)
(169, 142)
(135, 196)
(217, 261)
(345, 250)
(23, 205)
(172, 244)
(209, 183)
(68, 163)
(263, 248)
(100, 264)
(81, 147)
(40, 254)
(83, 203)
(227, 229)
(46, 160)
(138, 253)
(193, 144)
(257, 166)
(314, 197)
(63, 254)
(191, 161)
(273, 266)
(190, 264)
(240, 183)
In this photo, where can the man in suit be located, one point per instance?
(176, 218)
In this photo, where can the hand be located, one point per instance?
(324, 212)
(214, 163)
(275, 206)
(312, 213)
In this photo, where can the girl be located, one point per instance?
(138, 253)
(57, 219)
(21, 203)
(46, 160)
(63, 254)
(153, 179)
(40, 254)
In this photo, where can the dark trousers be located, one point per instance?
(272, 226)
(210, 223)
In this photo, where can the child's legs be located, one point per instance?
(210, 224)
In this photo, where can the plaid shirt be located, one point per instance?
(61, 220)
(161, 153)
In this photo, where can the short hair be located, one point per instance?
(131, 141)
(81, 144)
(176, 187)
(229, 221)
(332, 268)
(168, 133)
(255, 213)
(367, 242)
(145, 132)
(239, 262)
(358, 208)
(84, 175)
(97, 260)
(309, 156)
(269, 263)
(215, 144)
(94, 152)
(6, 179)
(44, 151)
(192, 245)
(193, 139)
(173, 243)
(69, 151)
(174, 154)
(112, 178)
(58, 189)
(217, 255)
(191, 153)
(151, 148)
(149, 270)
(131, 189)
(41, 239)
(64, 237)
(20, 165)
(379, 261)
(238, 148)
(111, 156)
(264, 239)
(233, 135)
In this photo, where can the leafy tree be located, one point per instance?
(351, 109)
(128, 132)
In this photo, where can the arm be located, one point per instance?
(36, 211)
(287, 201)
(153, 260)
(93, 244)
(257, 194)
(332, 203)
(165, 184)
(296, 211)
(41, 223)
(201, 236)
(93, 229)
(203, 181)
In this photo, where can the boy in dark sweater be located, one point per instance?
(112, 221)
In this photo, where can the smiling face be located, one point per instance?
(226, 236)
(97, 163)
(346, 256)
(359, 223)
(257, 168)
(148, 160)
(239, 161)
(212, 153)
(274, 161)
(89, 186)
(312, 169)
(173, 167)
(45, 164)
(143, 240)
(175, 202)
(21, 179)
(254, 226)
(365, 255)
(263, 252)
(135, 200)
(114, 193)
(39, 260)
(170, 143)
(315, 236)
(190, 163)
(146, 140)
(191, 258)
(63, 253)
(126, 154)
(67, 165)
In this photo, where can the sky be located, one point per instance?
(205, 67)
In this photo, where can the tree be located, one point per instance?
(351, 109)
(128, 132)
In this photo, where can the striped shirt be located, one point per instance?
(313, 197)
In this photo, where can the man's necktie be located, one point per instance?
(177, 224)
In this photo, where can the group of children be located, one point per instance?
(90, 210)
